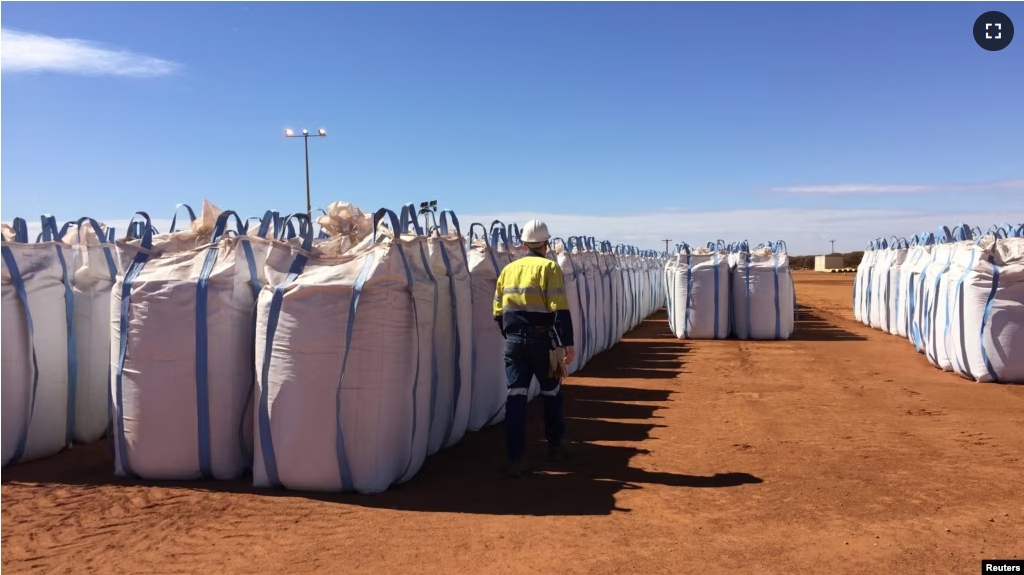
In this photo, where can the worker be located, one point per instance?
(532, 310)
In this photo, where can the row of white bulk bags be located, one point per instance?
(642, 286)
(955, 295)
(763, 297)
(36, 374)
(181, 348)
(879, 291)
(888, 283)
(697, 286)
(608, 292)
(89, 269)
(345, 404)
(984, 329)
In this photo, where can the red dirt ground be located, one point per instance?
(840, 450)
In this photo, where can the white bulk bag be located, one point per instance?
(449, 265)
(490, 386)
(573, 292)
(628, 279)
(863, 283)
(586, 341)
(634, 274)
(886, 285)
(878, 304)
(442, 342)
(985, 334)
(927, 295)
(919, 303)
(343, 360)
(614, 280)
(699, 300)
(936, 295)
(181, 345)
(917, 259)
(93, 272)
(619, 299)
(736, 251)
(35, 378)
(762, 295)
(669, 274)
(604, 299)
(591, 294)
(603, 296)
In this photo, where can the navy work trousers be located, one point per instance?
(526, 356)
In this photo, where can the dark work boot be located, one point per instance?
(558, 451)
(517, 469)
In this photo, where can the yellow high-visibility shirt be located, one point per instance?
(530, 292)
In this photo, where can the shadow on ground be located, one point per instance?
(814, 325)
(468, 478)
(648, 352)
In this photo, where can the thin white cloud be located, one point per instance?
(1004, 185)
(804, 230)
(28, 52)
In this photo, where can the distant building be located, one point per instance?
(828, 263)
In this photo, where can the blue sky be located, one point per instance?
(631, 122)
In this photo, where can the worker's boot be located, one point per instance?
(517, 469)
(559, 451)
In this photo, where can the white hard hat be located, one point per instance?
(535, 231)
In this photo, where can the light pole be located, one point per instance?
(321, 133)
(666, 245)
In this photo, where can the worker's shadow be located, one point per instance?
(469, 476)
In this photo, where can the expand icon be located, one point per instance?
(993, 31)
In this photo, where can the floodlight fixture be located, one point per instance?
(289, 133)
